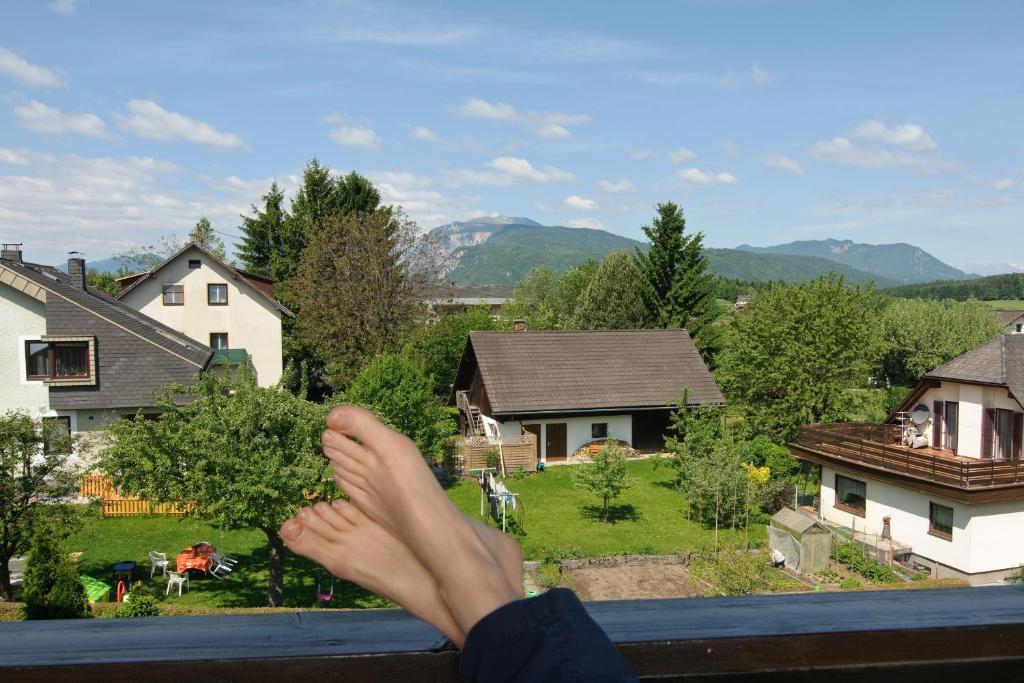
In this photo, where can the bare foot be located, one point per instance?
(385, 476)
(506, 552)
(351, 546)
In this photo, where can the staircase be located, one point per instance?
(472, 413)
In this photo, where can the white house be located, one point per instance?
(572, 388)
(77, 357)
(233, 311)
(945, 469)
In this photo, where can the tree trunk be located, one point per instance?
(6, 590)
(606, 509)
(275, 587)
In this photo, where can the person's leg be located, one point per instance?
(353, 547)
(384, 474)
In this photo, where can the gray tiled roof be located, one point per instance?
(530, 372)
(998, 361)
(116, 312)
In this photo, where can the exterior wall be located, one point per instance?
(577, 429)
(250, 321)
(973, 399)
(24, 319)
(986, 536)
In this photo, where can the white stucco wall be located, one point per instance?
(986, 537)
(973, 399)
(23, 319)
(251, 322)
(577, 429)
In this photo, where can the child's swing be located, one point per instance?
(320, 595)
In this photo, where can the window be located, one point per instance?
(940, 521)
(218, 340)
(851, 495)
(174, 295)
(599, 430)
(57, 435)
(217, 295)
(50, 360)
(1006, 435)
(194, 263)
(1019, 326)
(37, 360)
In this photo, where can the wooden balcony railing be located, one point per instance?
(971, 634)
(877, 445)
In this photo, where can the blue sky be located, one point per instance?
(769, 122)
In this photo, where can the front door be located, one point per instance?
(555, 441)
(535, 430)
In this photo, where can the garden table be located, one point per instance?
(196, 557)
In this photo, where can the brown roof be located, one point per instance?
(1009, 317)
(582, 371)
(999, 361)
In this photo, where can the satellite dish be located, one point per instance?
(920, 414)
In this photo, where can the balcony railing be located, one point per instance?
(877, 445)
(908, 635)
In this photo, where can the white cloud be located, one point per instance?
(584, 223)
(620, 185)
(40, 118)
(355, 136)
(759, 76)
(13, 157)
(65, 7)
(424, 204)
(682, 155)
(149, 120)
(574, 201)
(841, 151)
(426, 135)
(695, 175)
(1003, 184)
(643, 153)
(22, 71)
(521, 169)
(548, 125)
(909, 136)
(783, 163)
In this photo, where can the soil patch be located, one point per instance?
(632, 582)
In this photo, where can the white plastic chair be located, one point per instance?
(174, 578)
(157, 560)
(218, 567)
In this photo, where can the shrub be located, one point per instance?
(51, 589)
(851, 558)
(1017, 576)
(492, 458)
(734, 571)
(549, 575)
(140, 602)
(849, 583)
(556, 554)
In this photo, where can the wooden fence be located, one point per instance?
(518, 452)
(116, 505)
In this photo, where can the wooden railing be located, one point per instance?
(878, 446)
(970, 634)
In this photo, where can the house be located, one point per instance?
(742, 301)
(78, 357)
(200, 295)
(460, 298)
(1012, 321)
(942, 476)
(572, 388)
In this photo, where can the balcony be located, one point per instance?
(906, 635)
(876, 449)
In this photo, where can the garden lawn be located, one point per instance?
(1006, 304)
(649, 518)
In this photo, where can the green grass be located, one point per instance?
(649, 518)
(1006, 304)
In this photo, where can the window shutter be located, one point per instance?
(937, 411)
(988, 427)
(1018, 433)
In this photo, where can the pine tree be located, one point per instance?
(679, 290)
(204, 235)
(52, 589)
(263, 234)
(355, 194)
(614, 298)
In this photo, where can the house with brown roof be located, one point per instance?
(942, 477)
(570, 388)
(76, 357)
(1012, 321)
(200, 295)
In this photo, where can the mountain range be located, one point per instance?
(501, 249)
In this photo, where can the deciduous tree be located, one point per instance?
(240, 455)
(438, 347)
(606, 477)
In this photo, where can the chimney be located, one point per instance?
(519, 326)
(76, 272)
(11, 251)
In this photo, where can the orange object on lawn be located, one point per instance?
(199, 556)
